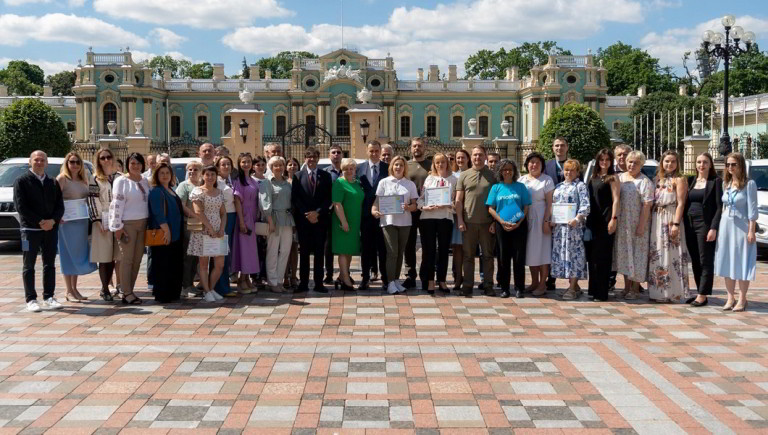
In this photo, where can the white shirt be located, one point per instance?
(393, 186)
(39, 177)
(435, 181)
(370, 170)
(229, 195)
(129, 202)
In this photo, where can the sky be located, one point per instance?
(54, 34)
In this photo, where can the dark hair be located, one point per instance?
(601, 153)
(335, 147)
(505, 162)
(462, 150)
(241, 175)
(311, 152)
(139, 158)
(371, 142)
(155, 181)
(220, 158)
(495, 154)
(211, 168)
(712, 173)
(562, 138)
(258, 159)
(480, 147)
(122, 166)
(660, 174)
(291, 160)
(535, 155)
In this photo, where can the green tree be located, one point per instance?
(28, 125)
(487, 64)
(178, 68)
(628, 68)
(748, 74)
(22, 78)
(200, 71)
(582, 127)
(62, 82)
(281, 64)
(246, 74)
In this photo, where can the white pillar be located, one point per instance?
(535, 121)
(321, 115)
(86, 119)
(385, 123)
(123, 120)
(131, 113)
(301, 115)
(148, 117)
(392, 123)
(294, 115)
(79, 119)
(328, 113)
(94, 116)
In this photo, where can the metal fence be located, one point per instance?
(89, 150)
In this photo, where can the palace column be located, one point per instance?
(123, 121)
(328, 117)
(294, 115)
(301, 115)
(384, 123)
(94, 116)
(79, 118)
(392, 122)
(149, 117)
(131, 112)
(535, 119)
(320, 115)
(86, 108)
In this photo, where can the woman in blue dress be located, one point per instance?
(736, 251)
(569, 258)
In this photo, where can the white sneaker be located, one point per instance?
(52, 303)
(33, 307)
(392, 288)
(217, 296)
(209, 297)
(399, 286)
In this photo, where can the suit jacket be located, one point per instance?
(35, 202)
(369, 186)
(550, 168)
(303, 201)
(713, 201)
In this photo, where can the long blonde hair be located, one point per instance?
(98, 169)
(742, 180)
(660, 173)
(434, 171)
(65, 167)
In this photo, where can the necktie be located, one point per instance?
(375, 171)
(312, 181)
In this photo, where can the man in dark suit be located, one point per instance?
(335, 154)
(554, 168)
(37, 198)
(370, 173)
(311, 201)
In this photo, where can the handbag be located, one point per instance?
(193, 223)
(261, 228)
(155, 237)
(587, 237)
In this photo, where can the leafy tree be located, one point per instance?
(29, 124)
(22, 78)
(487, 64)
(581, 126)
(62, 82)
(200, 71)
(246, 74)
(628, 68)
(762, 145)
(748, 75)
(178, 68)
(282, 64)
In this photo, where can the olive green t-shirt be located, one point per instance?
(476, 185)
(418, 172)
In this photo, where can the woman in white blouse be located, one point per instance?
(396, 226)
(128, 219)
(436, 224)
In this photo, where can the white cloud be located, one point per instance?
(670, 45)
(23, 2)
(15, 30)
(49, 67)
(217, 14)
(76, 3)
(447, 34)
(166, 38)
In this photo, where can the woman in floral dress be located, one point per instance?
(668, 259)
(630, 252)
(569, 258)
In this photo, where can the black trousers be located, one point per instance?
(410, 249)
(436, 237)
(373, 247)
(312, 241)
(168, 271)
(600, 262)
(702, 253)
(328, 254)
(511, 248)
(31, 243)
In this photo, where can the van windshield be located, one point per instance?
(9, 172)
(760, 175)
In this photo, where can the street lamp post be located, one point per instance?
(725, 49)
(364, 126)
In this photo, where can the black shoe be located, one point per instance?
(691, 299)
(551, 284)
(519, 294)
(696, 303)
(328, 280)
(364, 285)
(107, 296)
(320, 288)
(467, 293)
(431, 292)
(409, 283)
(302, 288)
(504, 294)
(345, 287)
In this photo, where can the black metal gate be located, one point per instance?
(185, 146)
(300, 136)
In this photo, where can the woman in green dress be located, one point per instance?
(347, 197)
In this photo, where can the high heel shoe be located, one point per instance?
(741, 308)
(696, 303)
(74, 297)
(107, 296)
(728, 306)
(339, 284)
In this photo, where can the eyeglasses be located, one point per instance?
(731, 165)
(105, 158)
(75, 162)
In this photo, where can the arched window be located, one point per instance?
(202, 126)
(311, 123)
(482, 126)
(280, 125)
(458, 126)
(227, 125)
(110, 114)
(175, 126)
(431, 126)
(342, 122)
(405, 126)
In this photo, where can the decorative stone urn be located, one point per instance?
(504, 128)
(111, 126)
(696, 124)
(246, 96)
(364, 95)
(138, 124)
(472, 124)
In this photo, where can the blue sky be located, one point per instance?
(56, 33)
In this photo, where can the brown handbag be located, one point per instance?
(155, 237)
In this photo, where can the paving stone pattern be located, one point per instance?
(354, 363)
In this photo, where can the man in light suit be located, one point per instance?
(370, 173)
(311, 201)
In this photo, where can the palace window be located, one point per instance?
(431, 126)
(405, 126)
(71, 126)
(202, 126)
(458, 126)
(227, 125)
(311, 123)
(110, 114)
(175, 126)
(280, 125)
(482, 126)
(342, 122)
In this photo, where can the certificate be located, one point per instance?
(75, 209)
(437, 196)
(215, 247)
(391, 204)
(563, 213)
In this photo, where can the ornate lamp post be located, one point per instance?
(243, 129)
(725, 49)
(364, 126)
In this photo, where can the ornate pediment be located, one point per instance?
(342, 72)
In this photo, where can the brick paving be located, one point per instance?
(370, 362)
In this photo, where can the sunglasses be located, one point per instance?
(731, 165)
(105, 158)
(75, 162)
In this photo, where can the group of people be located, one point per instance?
(256, 221)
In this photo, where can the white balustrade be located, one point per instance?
(313, 64)
(111, 59)
(376, 63)
(484, 85)
(571, 61)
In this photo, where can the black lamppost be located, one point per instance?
(243, 129)
(364, 126)
(724, 49)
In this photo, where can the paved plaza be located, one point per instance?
(371, 362)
